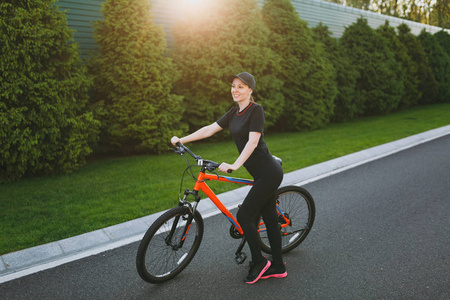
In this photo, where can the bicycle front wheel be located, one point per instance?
(169, 245)
(297, 206)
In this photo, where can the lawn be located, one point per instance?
(113, 190)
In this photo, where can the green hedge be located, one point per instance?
(427, 84)
(133, 80)
(229, 37)
(440, 64)
(443, 37)
(379, 85)
(143, 93)
(408, 70)
(45, 125)
(309, 77)
(346, 102)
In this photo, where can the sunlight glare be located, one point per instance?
(191, 7)
(193, 2)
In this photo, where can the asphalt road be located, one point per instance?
(381, 232)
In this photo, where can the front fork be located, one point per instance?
(189, 219)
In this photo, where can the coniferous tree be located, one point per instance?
(439, 62)
(133, 79)
(345, 103)
(229, 38)
(443, 37)
(408, 74)
(427, 84)
(45, 125)
(378, 85)
(309, 77)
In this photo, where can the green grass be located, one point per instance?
(110, 191)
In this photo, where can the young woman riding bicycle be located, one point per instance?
(246, 124)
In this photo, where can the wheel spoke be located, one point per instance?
(298, 207)
(159, 257)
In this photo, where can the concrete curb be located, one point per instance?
(21, 263)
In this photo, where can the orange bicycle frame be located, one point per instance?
(201, 185)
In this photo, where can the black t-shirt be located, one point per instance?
(241, 124)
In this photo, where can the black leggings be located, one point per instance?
(261, 201)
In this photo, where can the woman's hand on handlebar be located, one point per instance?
(227, 168)
(175, 140)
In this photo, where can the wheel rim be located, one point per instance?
(164, 256)
(296, 209)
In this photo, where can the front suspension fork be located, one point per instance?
(189, 219)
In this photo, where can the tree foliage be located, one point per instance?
(346, 101)
(309, 77)
(427, 84)
(45, 125)
(379, 85)
(133, 79)
(432, 12)
(439, 62)
(229, 38)
(443, 37)
(408, 70)
(304, 77)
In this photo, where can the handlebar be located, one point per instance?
(208, 164)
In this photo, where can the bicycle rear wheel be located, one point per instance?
(165, 249)
(298, 207)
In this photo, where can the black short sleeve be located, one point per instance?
(224, 121)
(257, 119)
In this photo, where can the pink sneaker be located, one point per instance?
(256, 271)
(272, 273)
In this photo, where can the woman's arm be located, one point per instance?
(253, 140)
(200, 134)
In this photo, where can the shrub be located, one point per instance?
(439, 62)
(345, 103)
(427, 84)
(133, 80)
(408, 68)
(45, 126)
(229, 38)
(379, 84)
(443, 37)
(309, 77)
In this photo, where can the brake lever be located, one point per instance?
(178, 150)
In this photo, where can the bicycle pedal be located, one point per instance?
(240, 258)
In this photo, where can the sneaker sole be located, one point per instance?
(261, 273)
(282, 275)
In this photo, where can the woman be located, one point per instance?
(246, 124)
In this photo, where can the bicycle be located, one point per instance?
(173, 239)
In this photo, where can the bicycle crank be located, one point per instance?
(234, 232)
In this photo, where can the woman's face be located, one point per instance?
(240, 91)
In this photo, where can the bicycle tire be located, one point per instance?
(298, 205)
(157, 259)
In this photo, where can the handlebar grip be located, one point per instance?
(229, 171)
